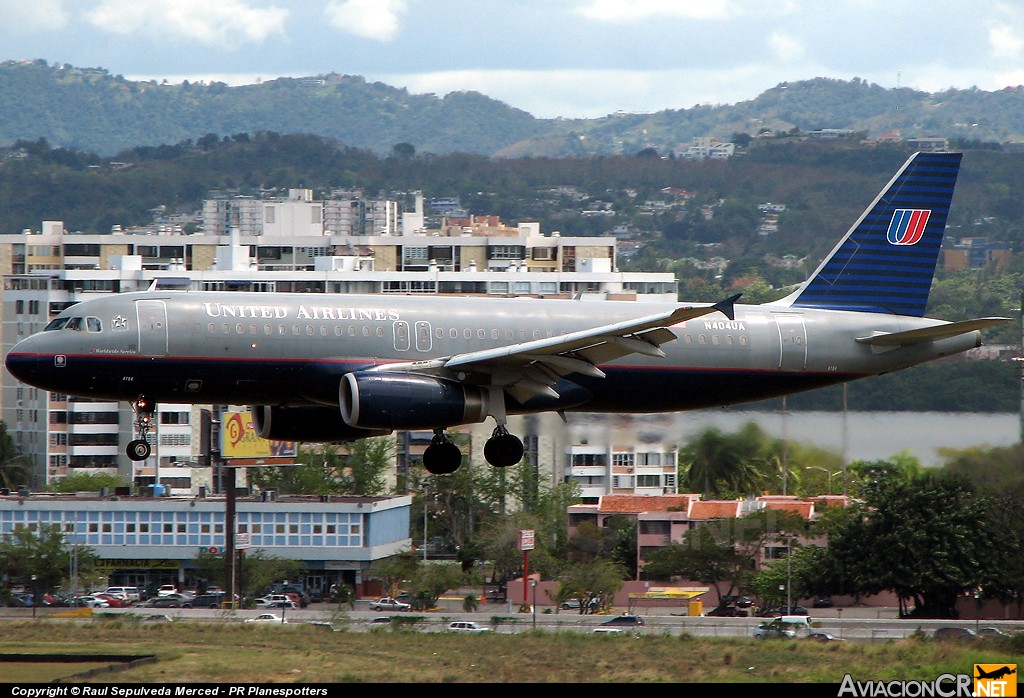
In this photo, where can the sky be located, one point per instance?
(551, 58)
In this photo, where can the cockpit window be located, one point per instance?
(74, 323)
(93, 324)
(55, 324)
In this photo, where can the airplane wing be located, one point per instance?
(930, 334)
(528, 369)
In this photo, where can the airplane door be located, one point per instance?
(152, 327)
(423, 339)
(402, 341)
(792, 342)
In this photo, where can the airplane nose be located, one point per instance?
(24, 362)
(22, 366)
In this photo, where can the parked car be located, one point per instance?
(955, 634)
(132, 594)
(167, 589)
(388, 604)
(991, 632)
(266, 618)
(466, 626)
(163, 602)
(626, 620)
(792, 611)
(726, 612)
(287, 603)
(205, 601)
(275, 601)
(89, 602)
(113, 601)
(823, 602)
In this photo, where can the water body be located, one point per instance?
(861, 435)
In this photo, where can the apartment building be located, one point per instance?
(663, 520)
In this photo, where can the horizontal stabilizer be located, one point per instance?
(930, 334)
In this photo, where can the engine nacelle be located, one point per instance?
(306, 424)
(408, 401)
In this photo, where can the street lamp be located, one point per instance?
(533, 583)
(35, 596)
(828, 474)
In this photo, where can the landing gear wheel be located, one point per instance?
(442, 457)
(503, 449)
(138, 449)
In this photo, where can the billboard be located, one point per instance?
(238, 440)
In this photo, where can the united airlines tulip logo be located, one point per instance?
(907, 226)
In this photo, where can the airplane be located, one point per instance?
(328, 368)
(995, 673)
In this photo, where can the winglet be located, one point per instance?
(726, 307)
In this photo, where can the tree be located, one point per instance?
(928, 539)
(717, 464)
(432, 580)
(367, 463)
(322, 470)
(403, 151)
(15, 470)
(395, 570)
(86, 482)
(596, 581)
(45, 555)
(706, 556)
(255, 572)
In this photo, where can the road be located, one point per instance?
(866, 624)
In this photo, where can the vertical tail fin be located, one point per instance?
(886, 261)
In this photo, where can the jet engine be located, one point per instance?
(408, 401)
(313, 424)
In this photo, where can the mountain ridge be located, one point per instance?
(93, 110)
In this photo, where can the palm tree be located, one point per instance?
(15, 469)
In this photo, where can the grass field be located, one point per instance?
(240, 653)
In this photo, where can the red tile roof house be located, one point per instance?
(667, 518)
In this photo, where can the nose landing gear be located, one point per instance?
(139, 449)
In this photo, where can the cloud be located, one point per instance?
(370, 19)
(223, 23)
(28, 17)
(640, 10)
(1006, 42)
(786, 48)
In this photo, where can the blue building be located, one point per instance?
(149, 541)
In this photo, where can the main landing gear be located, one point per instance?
(442, 457)
(139, 449)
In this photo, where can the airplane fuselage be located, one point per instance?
(293, 349)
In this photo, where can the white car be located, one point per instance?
(389, 604)
(266, 618)
(167, 590)
(90, 602)
(466, 626)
